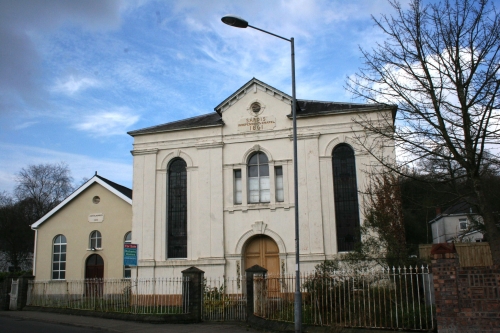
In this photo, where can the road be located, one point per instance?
(17, 325)
(34, 322)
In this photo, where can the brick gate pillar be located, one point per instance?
(445, 264)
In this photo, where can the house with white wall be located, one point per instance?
(457, 223)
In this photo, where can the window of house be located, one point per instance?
(177, 209)
(463, 224)
(127, 271)
(345, 191)
(258, 178)
(95, 240)
(278, 176)
(59, 258)
(237, 187)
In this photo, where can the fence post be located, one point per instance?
(194, 291)
(250, 272)
(22, 291)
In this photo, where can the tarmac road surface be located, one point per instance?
(34, 322)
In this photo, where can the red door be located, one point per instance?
(94, 267)
(94, 273)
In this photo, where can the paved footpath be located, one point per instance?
(113, 325)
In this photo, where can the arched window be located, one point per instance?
(177, 210)
(258, 178)
(127, 272)
(346, 197)
(95, 240)
(59, 258)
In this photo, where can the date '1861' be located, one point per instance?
(256, 124)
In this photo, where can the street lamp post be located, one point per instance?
(238, 22)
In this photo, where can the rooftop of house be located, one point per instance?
(120, 188)
(462, 207)
(305, 108)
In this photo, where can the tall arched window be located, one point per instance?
(95, 240)
(258, 178)
(346, 197)
(59, 258)
(177, 210)
(127, 271)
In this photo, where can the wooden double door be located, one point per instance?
(263, 251)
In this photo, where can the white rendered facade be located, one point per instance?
(218, 227)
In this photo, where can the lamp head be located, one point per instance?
(234, 21)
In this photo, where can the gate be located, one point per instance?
(14, 292)
(224, 299)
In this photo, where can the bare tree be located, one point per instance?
(440, 64)
(43, 187)
(16, 236)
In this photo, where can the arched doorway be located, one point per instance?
(263, 251)
(94, 272)
(94, 267)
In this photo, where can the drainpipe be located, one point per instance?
(34, 252)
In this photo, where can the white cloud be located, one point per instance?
(25, 125)
(107, 123)
(13, 157)
(23, 22)
(73, 84)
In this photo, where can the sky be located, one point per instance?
(75, 76)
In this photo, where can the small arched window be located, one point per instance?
(59, 258)
(95, 240)
(258, 178)
(127, 271)
(346, 197)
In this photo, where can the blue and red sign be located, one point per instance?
(130, 254)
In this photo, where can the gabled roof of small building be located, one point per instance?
(460, 208)
(120, 191)
(305, 108)
(120, 188)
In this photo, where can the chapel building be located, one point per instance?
(216, 191)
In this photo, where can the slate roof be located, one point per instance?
(308, 108)
(460, 208)
(205, 120)
(305, 108)
(120, 188)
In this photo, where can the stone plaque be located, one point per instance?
(96, 218)
(253, 124)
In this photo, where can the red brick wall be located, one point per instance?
(467, 298)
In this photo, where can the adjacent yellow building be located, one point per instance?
(83, 236)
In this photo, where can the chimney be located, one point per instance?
(438, 211)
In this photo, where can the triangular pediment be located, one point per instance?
(252, 86)
(120, 191)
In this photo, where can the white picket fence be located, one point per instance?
(138, 296)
